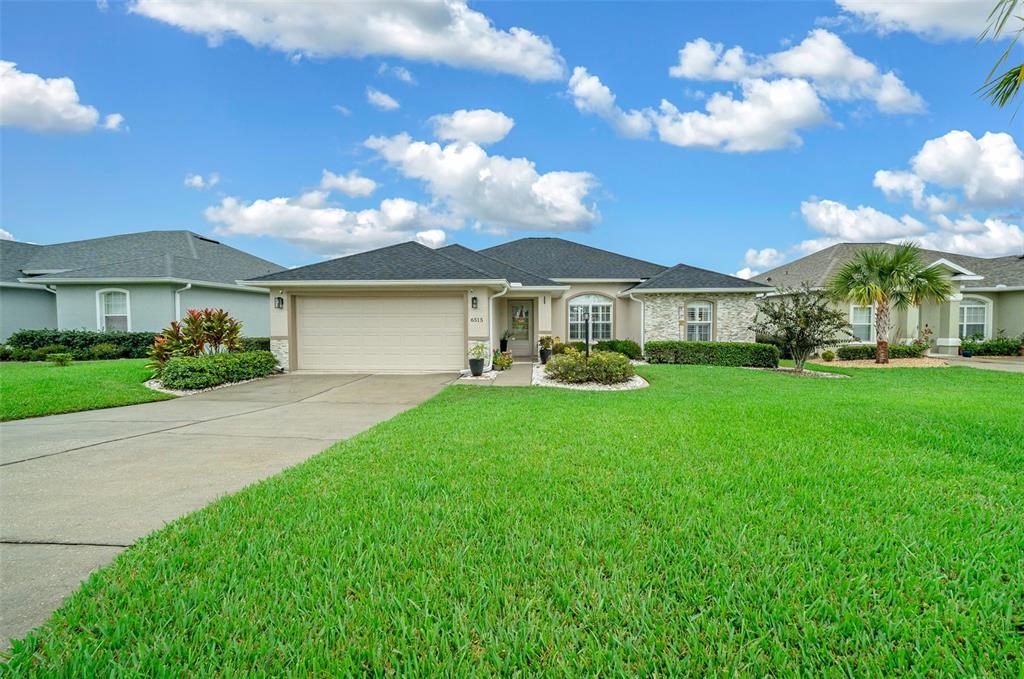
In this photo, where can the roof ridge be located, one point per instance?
(500, 261)
(582, 245)
(437, 251)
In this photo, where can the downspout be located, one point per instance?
(490, 305)
(643, 321)
(177, 301)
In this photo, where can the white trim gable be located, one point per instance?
(962, 274)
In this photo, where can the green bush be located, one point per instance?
(5, 352)
(254, 344)
(79, 342)
(828, 356)
(865, 352)
(210, 370)
(1000, 346)
(41, 353)
(604, 367)
(104, 351)
(60, 360)
(627, 348)
(748, 354)
(562, 347)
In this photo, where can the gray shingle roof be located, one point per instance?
(558, 258)
(817, 268)
(150, 254)
(13, 256)
(408, 261)
(498, 268)
(685, 277)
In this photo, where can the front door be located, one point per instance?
(520, 323)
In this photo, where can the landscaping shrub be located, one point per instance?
(828, 356)
(210, 370)
(43, 352)
(605, 367)
(864, 352)
(627, 348)
(562, 347)
(131, 344)
(200, 332)
(747, 354)
(999, 346)
(104, 351)
(60, 360)
(502, 360)
(254, 344)
(5, 352)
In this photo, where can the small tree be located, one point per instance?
(800, 321)
(202, 331)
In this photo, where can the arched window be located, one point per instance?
(600, 310)
(698, 321)
(975, 318)
(112, 310)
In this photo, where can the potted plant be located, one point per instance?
(546, 344)
(477, 356)
(505, 337)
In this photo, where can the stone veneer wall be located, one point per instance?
(733, 313)
(279, 348)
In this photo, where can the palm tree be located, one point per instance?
(893, 278)
(1002, 88)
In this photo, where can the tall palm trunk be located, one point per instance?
(882, 331)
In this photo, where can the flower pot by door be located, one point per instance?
(504, 345)
(545, 354)
(476, 366)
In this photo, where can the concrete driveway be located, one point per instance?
(77, 489)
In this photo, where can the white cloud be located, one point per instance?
(352, 184)
(822, 58)
(994, 238)
(400, 72)
(746, 273)
(857, 224)
(443, 32)
(198, 181)
(343, 110)
(766, 118)
(957, 19)
(989, 170)
(42, 104)
(6, 235)
(590, 95)
(480, 126)
(499, 192)
(311, 221)
(384, 102)
(765, 258)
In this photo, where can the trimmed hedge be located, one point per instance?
(254, 344)
(627, 348)
(1000, 346)
(203, 372)
(864, 352)
(605, 367)
(80, 342)
(736, 354)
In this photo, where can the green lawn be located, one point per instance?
(723, 521)
(34, 389)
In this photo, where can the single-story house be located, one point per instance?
(987, 300)
(410, 308)
(135, 282)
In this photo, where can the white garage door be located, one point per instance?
(380, 334)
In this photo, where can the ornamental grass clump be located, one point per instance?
(603, 367)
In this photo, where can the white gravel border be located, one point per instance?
(487, 376)
(540, 379)
(805, 373)
(155, 385)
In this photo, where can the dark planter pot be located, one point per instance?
(545, 354)
(476, 366)
(967, 353)
(504, 345)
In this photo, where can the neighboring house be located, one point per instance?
(987, 300)
(134, 282)
(408, 308)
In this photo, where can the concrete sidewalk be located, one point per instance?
(77, 489)
(1009, 364)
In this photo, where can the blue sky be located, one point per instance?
(822, 98)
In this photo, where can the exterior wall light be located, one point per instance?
(279, 302)
(473, 302)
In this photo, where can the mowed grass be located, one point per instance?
(34, 389)
(721, 522)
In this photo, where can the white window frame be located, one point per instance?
(685, 315)
(589, 307)
(977, 300)
(871, 320)
(101, 317)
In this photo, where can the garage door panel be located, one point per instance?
(380, 334)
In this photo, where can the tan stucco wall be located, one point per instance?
(1007, 311)
(625, 312)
